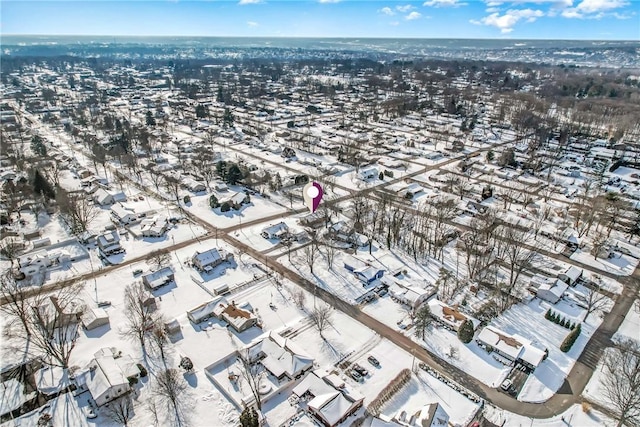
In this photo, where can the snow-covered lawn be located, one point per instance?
(259, 207)
(528, 321)
(621, 265)
(630, 327)
(575, 416)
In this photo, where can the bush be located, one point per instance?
(465, 332)
(570, 339)
(213, 201)
(573, 326)
(225, 207)
(143, 370)
(563, 323)
(187, 199)
(547, 315)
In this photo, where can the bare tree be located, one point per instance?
(330, 252)
(321, 317)
(139, 317)
(54, 325)
(171, 392)
(158, 259)
(621, 381)
(311, 253)
(445, 284)
(120, 410)
(159, 338)
(172, 187)
(595, 302)
(253, 374)
(15, 300)
(299, 297)
(77, 210)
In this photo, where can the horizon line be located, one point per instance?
(316, 37)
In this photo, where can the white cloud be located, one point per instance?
(405, 8)
(387, 11)
(252, 23)
(394, 23)
(510, 18)
(412, 16)
(595, 9)
(243, 2)
(444, 3)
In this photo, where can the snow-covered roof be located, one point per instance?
(51, 379)
(159, 276)
(501, 341)
(282, 356)
(204, 311)
(91, 315)
(120, 211)
(212, 256)
(276, 229)
(449, 315)
(331, 406)
(557, 287)
(104, 373)
(573, 273)
(314, 385)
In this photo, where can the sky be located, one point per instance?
(516, 19)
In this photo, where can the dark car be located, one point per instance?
(355, 375)
(373, 361)
(359, 369)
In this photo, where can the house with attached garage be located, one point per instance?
(109, 243)
(363, 271)
(449, 316)
(513, 350)
(208, 260)
(108, 376)
(276, 231)
(123, 215)
(240, 317)
(156, 226)
(158, 279)
(235, 201)
(548, 289)
(571, 275)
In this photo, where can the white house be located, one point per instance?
(108, 376)
(514, 348)
(368, 173)
(103, 197)
(34, 263)
(159, 278)
(548, 289)
(281, 357)
(94, 317)
(571, 276)
(432, 415)
(208, 260)
(156, 226)
(109, 243)
(276, 231)
(123, 215)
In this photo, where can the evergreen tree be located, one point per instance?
(547, 315)
(38, 147)
(381, 176)
(249, 418)
(201, 111)
(465, 332)
(213, 201)
(42, 186)
(234, 174)
(570, 339)
(227, 118)
(150, 120)
(563, 323)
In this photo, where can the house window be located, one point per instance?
(119, 390)
(107, 396)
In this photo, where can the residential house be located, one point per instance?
(204, 311)
(329, 401)
(108, 376)
(51, 315)
(516, 349)
(208, 260)
(34, 263)
(449, 316)
(407, 292)
(341, 232)
(94, 317)
(123, 215)
(276, 231)
(314, 220)
(158, 279)
(155, 226)
(239, 317)
(193, 185)
(281, 357)
(103, 197)
(362, 270)
(432, 415)
(571, 275)
(109, 243)
(548, 289)
(235, 201)
(368, 173)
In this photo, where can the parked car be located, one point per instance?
(359, 369)
(507, 386)
(373, 361)
(355, 375)
(137, 272)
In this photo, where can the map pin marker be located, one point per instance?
(312, 194)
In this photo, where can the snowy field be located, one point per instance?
(620, 265)
(575, 416)
(630, 327)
